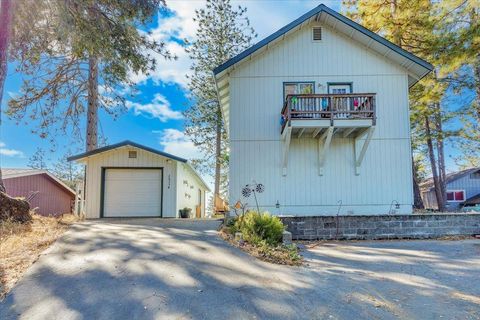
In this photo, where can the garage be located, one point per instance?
(130, 180)
(132, 192)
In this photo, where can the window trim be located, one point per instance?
(454, 191)
(296, 82)
(339, 84)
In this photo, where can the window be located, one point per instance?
(298, 88)
(317, 33)
(132, 154)
(455, 195)
(339, 88)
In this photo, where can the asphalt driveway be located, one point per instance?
(157, 269)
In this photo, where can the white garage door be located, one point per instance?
(133, 193)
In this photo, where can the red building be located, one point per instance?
(45, 192)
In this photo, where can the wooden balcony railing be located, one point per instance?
(349, 106)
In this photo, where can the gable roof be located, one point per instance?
(416, 67)
(315, 13)
(11, 173)
(450, 177)
(124, 144)
(142, 147)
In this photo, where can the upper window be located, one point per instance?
(317, 33)
(455, 195)
(132, 154)
(339, 88)
(298, 88)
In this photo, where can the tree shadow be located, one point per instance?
(152, 269)
(412, 279)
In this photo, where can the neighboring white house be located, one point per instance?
(463, 188)
(130, 180)
(318, 113)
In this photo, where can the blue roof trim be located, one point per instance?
(321, 8)
(123, 144)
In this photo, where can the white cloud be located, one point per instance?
(10, 152)
(167, 71)
(177, 143)
(159, 108)
(265, 16)
(171, 30)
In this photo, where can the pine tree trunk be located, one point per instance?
(476, 69)
(433, 165)
(6, 13)
(218, 152)
(92, 112)
(417, 197)
(441, 155)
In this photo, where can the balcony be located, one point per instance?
(324, 115)
(344, 111)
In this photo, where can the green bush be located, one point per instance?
(257, 227)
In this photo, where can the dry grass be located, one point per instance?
(277, 255)
(22, 244)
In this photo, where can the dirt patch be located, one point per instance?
(277, 255)
(22, 243)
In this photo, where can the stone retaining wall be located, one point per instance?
(414, 226)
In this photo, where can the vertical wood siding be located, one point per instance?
(256, 97)
(188, 195)
(51, 198)
(471, 186)
(119, 158)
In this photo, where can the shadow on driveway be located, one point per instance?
(170, 269)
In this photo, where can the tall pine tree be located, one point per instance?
(66, 49)
(223, 32)
(420, 27)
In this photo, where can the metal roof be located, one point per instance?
(450, 177)
(139, 146)
(321, 8)
(11, 173)
(124, 144)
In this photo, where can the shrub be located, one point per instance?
(257, 227)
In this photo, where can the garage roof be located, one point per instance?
(139, 146)
(123, 144)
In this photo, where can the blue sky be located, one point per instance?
(154, 116)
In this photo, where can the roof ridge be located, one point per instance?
(317, 10)
(122, 144)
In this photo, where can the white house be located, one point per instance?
(318, 113)
(131, 180)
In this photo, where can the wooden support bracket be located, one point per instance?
(300, 134)
(323, 146)
(360, 154)
(316, 132)
(347, 132)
